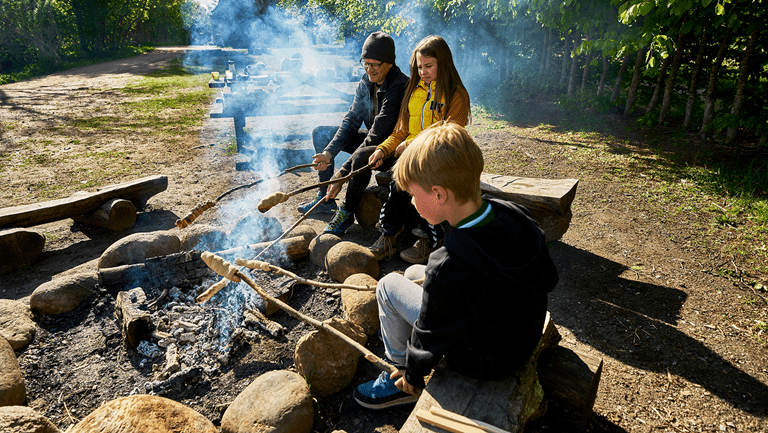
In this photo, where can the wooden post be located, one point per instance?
(116, 215)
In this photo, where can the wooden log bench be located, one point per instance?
(511, 401)
(548, 200)
(136, 191)
(113, 207)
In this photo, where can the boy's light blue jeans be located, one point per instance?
(399, 301)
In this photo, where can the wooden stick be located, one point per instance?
(446, 423)
(276, 198)
(446, 414)
(198, 210)
(267, 267)
(290, 229)
(223, 268)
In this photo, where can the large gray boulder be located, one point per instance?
(19, 248)
(23, 419)
(276, 402)
(361, 307)
(16, 323)
(145, 414)
(347, 258)
(202, 237)
(63, 294)
(326, 361)
(138, 247)
(319, 246)
(13, 391)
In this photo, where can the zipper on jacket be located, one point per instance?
(429, 96)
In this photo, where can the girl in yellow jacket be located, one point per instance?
(434, 93)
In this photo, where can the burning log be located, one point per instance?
(131, 311)
(276, 198)
(198, 210)
(295, 248)
(226, 269)
(258, 318)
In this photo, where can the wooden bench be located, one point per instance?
(548, 200)
(508, 403)
(113, 207)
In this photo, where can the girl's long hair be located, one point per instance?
(448, 80)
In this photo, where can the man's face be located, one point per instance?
(376, 70)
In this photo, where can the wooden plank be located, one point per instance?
(507, 403)
(137, 191)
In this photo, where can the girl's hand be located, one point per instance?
(377, 157)
(401, 383)
(400, 149)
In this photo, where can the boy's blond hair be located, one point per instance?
(442, 155)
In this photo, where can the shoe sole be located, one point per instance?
(410, 399)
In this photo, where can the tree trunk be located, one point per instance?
(738, 100)
(603, 77)
(549, 50)
(666, 104)
(585, 73)
(636, 74)
(659, 84)
(544, 54)
(566, 60)
(620, 77)
(709, 103)
(692, 90)
(574, 64)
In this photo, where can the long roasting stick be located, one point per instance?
(198, 210)
(267, 267)
(276, 198)
(227, 270)
(290, 229)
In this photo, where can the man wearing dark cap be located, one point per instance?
(377, 105)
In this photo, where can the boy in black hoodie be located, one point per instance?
(484, 298)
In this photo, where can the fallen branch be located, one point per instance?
(276, 198)
(226, 269)
(198, 210)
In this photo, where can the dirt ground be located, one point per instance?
(674, 357)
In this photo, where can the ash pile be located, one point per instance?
(188, 342)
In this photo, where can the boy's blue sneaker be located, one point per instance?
(340, 222)
(327, 206)
(381, 394)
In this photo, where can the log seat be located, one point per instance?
(509, 402)
(548, 200)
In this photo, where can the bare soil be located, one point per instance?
(680, 348)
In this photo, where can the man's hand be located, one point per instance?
(322, 160)
(401, 383)
(377, 157)
(334, 188)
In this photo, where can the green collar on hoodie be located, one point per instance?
(483, 216)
